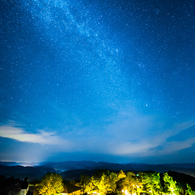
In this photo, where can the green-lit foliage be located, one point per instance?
(180, 189)
(189, 190)
(51, 184)
(170, 186)
(151, 182)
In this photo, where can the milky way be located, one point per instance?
(97, 80)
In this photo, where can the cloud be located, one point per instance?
(30, 147)
(175, 146)
(131, 148)
(41, 137)
(140, 135)
(134, 135)
(124, 137)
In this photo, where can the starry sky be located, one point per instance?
(100, 80)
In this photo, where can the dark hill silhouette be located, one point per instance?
(21, 172)
(186, 168)
(73, 169)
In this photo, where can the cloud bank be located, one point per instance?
(126, 136)
(147, 135)
(41, 137)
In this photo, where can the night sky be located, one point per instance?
(100, 80)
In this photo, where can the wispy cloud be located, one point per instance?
(34, 147)
(175, 146)
(41, 137)
(125, 137)
(146, 135)
(134, 135)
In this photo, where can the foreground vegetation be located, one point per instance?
(51, 184)
(104, 181)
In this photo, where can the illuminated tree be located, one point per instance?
(151, 182)
(86, 184)
(180, 189)
(121, 174)
(104, 181)
(189, 190)
(101, 183)
(51, 184)
(129, 183)
(112, 179)
(170, 186)
(139, 183)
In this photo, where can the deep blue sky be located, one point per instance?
(97, 80)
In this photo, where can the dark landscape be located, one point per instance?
(89, 176)
(72, 170)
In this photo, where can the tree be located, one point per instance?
(152, 183)
(129, 183)
(86, 184)
(121, 174)
(139, 183)
(170, 186)
(101, 183)
(104, 181)
(51, 184)
(112, 179)
(189, 190)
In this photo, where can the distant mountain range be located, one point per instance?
(71, 170)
